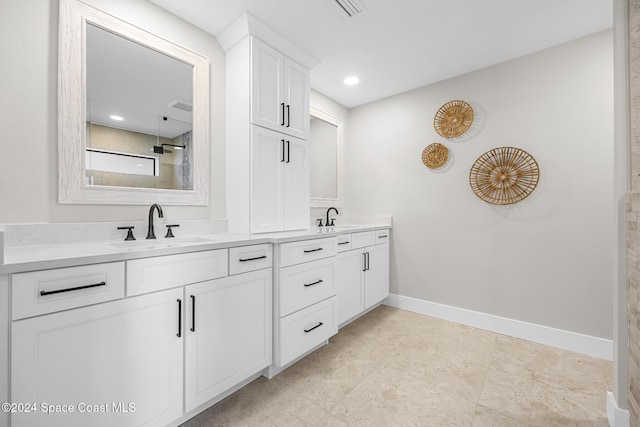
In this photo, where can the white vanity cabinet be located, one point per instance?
(191, 328)
(306, 314)
(279, 91)
(115, 363)
(279, 182)
(227, 335)
(362, 272)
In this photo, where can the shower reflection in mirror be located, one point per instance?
(139, 110)
(126, 158)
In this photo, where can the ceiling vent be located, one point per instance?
(180, 104)
(350, 7)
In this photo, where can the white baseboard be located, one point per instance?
(617, 417)
(566, 340)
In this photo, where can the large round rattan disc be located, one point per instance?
(504, 175)
(453, 119)
(435, 156)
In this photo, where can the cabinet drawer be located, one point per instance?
(362, 239)
(46, 291)
(301, 331)
(382, 236)
(305, 284)
(306, 250)
(344, 242)
(250, 258)
(164, 272)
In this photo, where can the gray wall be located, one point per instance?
(546, 260)
(28, 127)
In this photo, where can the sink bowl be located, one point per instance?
(160, 243)
(344, 227)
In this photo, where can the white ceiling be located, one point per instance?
(395, 46)
(137, 83)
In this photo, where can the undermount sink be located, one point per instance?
(160, 243)
(337, 228)
(344, 227)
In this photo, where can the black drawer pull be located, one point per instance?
(179, 334)
(77, 288)
(317, 326)
(252, 259)
(343, 243)
(383, 236)
(313, 250)
(306, 285)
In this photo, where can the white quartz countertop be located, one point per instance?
(44, 256)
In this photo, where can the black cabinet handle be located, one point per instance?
(382, 236)
(312, 250)
(77, 288)
(252, 259)
(317, 326)
(288, 151)
(179, 334)
(193, 313)
(364, 261)
(288, 115)
(343, 243)
(282, 150)
(282, 105)
(306, 285)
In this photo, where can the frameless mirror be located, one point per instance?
(325, 159)
(133, 113)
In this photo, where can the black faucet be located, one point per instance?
(150, 233)
(327, 223)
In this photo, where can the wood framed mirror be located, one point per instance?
(133, 114)
(325, 159)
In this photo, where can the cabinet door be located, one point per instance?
(228, 333)
(296, 99)
(267, 105)
(104, 358)
(349, 279)
(267, 157)
(296, 185)
(376, 278)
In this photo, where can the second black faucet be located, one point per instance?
(327, 223)
(150, 233)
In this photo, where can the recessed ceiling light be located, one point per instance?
(350, 81)
(118, 118)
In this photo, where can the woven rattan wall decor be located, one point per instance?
(504, 175)
(453, 119)
(435, 156)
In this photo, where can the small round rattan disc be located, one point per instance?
(453, 119)
(435, 156)
(504, 175)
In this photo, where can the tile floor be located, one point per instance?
(396, 368)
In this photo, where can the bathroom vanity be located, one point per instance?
(151, 332)
(129, 333)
